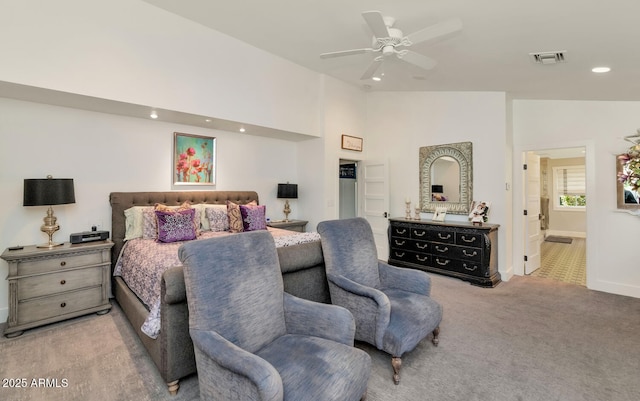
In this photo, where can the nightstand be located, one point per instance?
(49, 285)
(291, 225)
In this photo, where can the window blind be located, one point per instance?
(570, 180)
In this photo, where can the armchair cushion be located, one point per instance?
(313, 368)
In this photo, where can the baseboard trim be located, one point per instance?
(573, 234)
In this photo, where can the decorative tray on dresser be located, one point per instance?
(49, 285)
(458, 249)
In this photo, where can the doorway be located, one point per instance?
(348, 189)
(562, 215)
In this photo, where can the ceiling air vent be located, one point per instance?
(547, 57)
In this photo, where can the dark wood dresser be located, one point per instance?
(456, 249)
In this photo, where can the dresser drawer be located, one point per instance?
(42, 265)
(57, 305)
(402, 232)
(410, 257)
(37, 286)
(466, 239)
(410, 245)
(470, 268)
(466, 253)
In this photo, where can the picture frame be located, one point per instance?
(194, 159)
(479, 213)
(439, 214)
(351, 143)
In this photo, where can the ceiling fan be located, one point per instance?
(390, 41)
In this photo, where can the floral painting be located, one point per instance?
(194, 159)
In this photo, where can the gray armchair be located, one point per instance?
(391, 305)
(252, 340)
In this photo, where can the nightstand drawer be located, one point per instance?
(42, 265)
(57, 305)
(37, 286)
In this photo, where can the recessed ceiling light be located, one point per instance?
(242, 129)
(377, 79)
(600, 70)
(153, 115)
(208, 120)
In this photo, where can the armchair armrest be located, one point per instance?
(240, 364)
(401, 278)
(320, 320)
(370, 307)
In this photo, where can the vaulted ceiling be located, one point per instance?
(490, 53)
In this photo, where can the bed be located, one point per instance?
(302, 267)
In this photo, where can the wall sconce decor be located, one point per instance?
(47, 192)
(287, 191)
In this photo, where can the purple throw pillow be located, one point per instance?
(176, 226)
(253, 217)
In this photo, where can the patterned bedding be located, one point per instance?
(143, 261)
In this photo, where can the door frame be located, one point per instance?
(518, 199)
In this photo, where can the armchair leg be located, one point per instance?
(396, 363)
(436, 333)
(173, 387)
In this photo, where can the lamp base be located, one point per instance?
(286, 211)
(49, 227)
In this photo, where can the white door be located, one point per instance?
(375, 185)
(532, 218)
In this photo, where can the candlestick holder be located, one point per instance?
(417, 215)
(408, 210)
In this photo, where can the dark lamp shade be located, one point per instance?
(436, 189)
(288, 191)
(48, 191)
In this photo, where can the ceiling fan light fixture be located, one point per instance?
(600, 70)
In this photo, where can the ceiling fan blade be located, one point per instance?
(424, 62)
(437, 31)
(376, 23)
(373, 67)
(346, 53)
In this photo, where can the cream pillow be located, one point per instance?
(134, 221)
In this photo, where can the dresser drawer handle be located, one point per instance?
(63, 282)
(468, 240)
(424, 259)
(399, 243)
(422, 246)
(63, 263)
(445, 249)
(446, 262)
(399, 255)
(464, 251)
(62, 305)
(417, 234)
(398, 231)
(469, 268)
(443, 237)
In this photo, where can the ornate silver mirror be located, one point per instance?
(446, 177)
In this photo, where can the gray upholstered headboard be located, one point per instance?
(121, 201)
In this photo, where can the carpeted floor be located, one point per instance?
(564, 262)
(527, 339)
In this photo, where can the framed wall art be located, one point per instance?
(194, 159)
(351, 143)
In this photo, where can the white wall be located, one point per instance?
(104, 153)
(399, 123)
(612, 262)
(133, 52)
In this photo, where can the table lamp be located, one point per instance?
(47, 192)
(287, 191)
